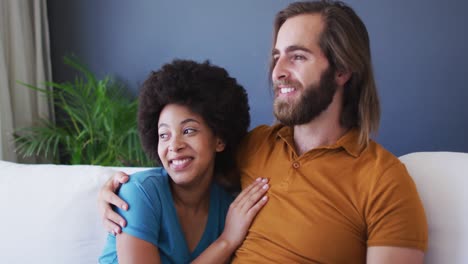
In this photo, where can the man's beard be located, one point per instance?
(312, 102)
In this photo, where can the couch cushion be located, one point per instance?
(442, 181)
(49, 213)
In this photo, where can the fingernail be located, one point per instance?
(264, 198)
(264, 180)
(124, 206)
(121, 223)
(116, 231)
(265, 186)
(258, 179)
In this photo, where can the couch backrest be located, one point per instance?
(442, 182)
(48, 213)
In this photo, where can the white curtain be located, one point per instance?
(24, 57)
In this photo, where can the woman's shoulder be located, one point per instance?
(148, 181)
(157, 174)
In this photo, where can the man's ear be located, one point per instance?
(342, 77)
(220, 145)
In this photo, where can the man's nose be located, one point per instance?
(280, 70)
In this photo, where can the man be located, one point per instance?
(336, 196)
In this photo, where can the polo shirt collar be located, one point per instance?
(349, 141)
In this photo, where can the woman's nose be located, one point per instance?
(176, 144)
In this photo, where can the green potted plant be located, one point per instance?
(97, 126)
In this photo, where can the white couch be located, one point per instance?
(48, 213)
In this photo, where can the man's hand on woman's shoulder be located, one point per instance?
(107, 197)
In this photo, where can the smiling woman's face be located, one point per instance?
(187, 146)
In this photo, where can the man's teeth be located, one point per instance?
(180, 161)
(286, 90)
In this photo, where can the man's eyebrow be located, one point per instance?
(298, 47)
(274, 52)
(291, 49)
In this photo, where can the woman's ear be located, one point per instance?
(220, 145)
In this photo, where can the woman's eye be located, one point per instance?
(189, 131)
(163, 136)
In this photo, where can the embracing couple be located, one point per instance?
(315, 187)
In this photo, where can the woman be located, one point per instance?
(191, 118)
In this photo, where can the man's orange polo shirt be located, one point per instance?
(329, 204)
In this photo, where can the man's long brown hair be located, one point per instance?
(345, 43)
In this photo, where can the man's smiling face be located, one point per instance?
(304, 83)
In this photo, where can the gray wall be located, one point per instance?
(419, 47)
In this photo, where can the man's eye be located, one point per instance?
(299, 57)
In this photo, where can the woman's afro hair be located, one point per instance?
(208, 91)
